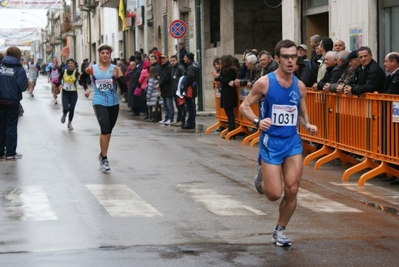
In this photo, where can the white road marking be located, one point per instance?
(30, 203)
(216, 202)
(320, 204)
(120, 201)
(370, 190)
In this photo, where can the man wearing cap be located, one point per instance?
(192, 73)
(165, 87)
(302, 51)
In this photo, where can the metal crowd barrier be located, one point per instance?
(242, 124)
(348, 126)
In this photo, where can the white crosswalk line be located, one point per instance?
(120, 201)
(387, 195)
(30, 203)
(216, 202)
(317, 203)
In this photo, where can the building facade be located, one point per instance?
(217, 27)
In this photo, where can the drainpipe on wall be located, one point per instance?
(124, 43)
(199, 52)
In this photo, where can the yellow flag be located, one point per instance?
(122, 14)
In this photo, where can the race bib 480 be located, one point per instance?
(104, 84)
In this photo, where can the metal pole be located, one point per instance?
(124, 43)
(88, 13)
(199, 52)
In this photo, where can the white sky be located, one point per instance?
(11, 18)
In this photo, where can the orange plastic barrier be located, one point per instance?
(221, 116)
(354, 125)
(242, 124)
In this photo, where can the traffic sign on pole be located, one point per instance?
(177, 29)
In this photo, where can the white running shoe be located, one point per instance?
(279, 238)
(105, 165)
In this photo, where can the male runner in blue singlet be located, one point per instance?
(282, 105)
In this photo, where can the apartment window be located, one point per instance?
(316, 3)
(215, 22)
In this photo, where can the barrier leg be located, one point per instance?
(346, 158)
(308, 148)
(250, 137)
(382, 168)
(328, 158)
(214, 126)
(367, 163)
(240, 129)
(223, 133)
(323, 151)
(254, 142)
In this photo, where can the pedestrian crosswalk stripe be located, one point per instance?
(216, 202)
(318, 203)
(120, 201)
(30, 203)
(388, 195)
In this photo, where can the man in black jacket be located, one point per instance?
(369, 77)
(192, 73)
(391, 64)
(333, 72)
(165, 86)
(177, 72)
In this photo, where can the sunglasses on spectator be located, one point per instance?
(288, 56)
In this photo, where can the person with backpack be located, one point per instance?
(177, 72)
(192, 73)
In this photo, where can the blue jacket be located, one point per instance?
(13, 80)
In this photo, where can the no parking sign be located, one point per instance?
(177, 29)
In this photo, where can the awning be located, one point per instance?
(65, 51)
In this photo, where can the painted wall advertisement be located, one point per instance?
(355, 38)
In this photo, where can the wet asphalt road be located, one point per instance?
(173, 198)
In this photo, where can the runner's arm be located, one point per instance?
(257, 92)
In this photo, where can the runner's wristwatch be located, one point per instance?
(256, 122)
